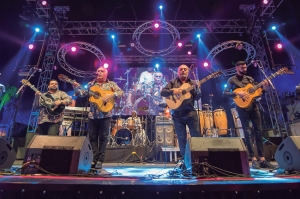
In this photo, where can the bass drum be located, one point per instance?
(220, 119)
(123, 136)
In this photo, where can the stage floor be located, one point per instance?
(149, 180)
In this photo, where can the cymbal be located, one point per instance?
(162, 105)
(120, 79)
(144, 108)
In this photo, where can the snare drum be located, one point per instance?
(130, 123)
(120, 124)
(123, 136)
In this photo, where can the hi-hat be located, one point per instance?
(120, 79)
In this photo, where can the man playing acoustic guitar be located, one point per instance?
(248, 114)
(99, 122)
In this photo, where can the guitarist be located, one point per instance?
(187, 116)
(246, 115)
(99, 122)
(47, 124)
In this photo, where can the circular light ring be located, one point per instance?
(149, 26)
(251, 53)
(80, 45)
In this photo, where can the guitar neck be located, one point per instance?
(81, 87)
(268, 78)
(36, 90)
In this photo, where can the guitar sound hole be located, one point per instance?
(251, 90)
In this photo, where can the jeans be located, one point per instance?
(98, 135)
(192, 121)
(48, 128)
(253, 115)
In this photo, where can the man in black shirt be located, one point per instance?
(187, 115)
(246, 115)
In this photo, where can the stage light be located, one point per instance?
(113, 36)
(30, 46)
(44, 3)
(105, 65)
(73, 49)
(225, 85)
(189, 52)
(279, 45)
(157, 65)
(37, 30)
(198, 35)
(239, 46)
(205, 64)
(132, 44)
(179, 44)
(273, 27)
(161, 7)
(265, 1)
(156, 25)
(85, 86)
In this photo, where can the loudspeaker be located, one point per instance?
(229, 154)
(58, 155)
(288, 153)
(7, 154)
(164, 135)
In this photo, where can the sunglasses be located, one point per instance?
(158, 76)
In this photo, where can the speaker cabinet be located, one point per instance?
(58, 155)
(288, 153)
(164, 135)
(7, 154)
(228, 154)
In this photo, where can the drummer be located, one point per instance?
(136, 119)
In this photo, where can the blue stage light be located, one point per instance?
(198, 35)
(161, 7)
(113, 36)
(273, 27)
(156, 65)
(37, 30)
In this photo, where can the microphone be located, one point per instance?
(255, 62)
(17, 93)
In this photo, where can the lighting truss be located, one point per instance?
(83, 46)
(251, 53)
(172, 59)
(129, 27)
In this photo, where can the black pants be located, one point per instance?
(48, 128)
(252, 114)
(98, 135)
(180, 121)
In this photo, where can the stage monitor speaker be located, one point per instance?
(7, 154)
(228, 154)
(58, 155)
(164, 135)
(288, 153)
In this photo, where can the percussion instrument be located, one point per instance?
(220, 119)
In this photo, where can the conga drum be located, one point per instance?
(220, 119)
(201, 120)
(208, 123)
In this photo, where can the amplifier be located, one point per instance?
(163, 120)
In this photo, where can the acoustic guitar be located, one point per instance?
(47, 101)
(177, 102)
(254, 91)
(96, 94)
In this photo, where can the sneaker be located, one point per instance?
(98, 165)
(266, 164)
(255, 164)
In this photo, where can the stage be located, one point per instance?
(148, 180)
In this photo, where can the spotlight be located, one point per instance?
(265, 1)
(279, 45)
(189, 52)
(37, 30)
(205, 64)
(225, 85)
(273, 27)
(198, 35)
(44, 3)
(179, 44)
(113, 36)
(161, 7)
(157, 65)
(85, 86)
(239, 46)
(132, 44)
(156, 25)
(73, 49)
(105, 65)
(30, 46)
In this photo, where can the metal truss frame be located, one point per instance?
(255, 16)
(251, 53)
(172, 59)
(129, 27)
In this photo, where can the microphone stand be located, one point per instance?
(197, 93)
(17, 103)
